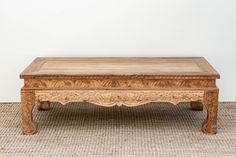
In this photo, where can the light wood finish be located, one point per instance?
(120, 81)
(111, 98)
(27, 106)
(137, 67)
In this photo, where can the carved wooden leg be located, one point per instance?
(211, 104)
(27, 105)
(198, 106)
(43, 106)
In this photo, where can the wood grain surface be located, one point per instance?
(144, 66)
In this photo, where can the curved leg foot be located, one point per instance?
(31, 129)
(211, 103)
(197, 106)
(27, 105)
(43, 106)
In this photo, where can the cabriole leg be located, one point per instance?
(211, 104)
(27, 105)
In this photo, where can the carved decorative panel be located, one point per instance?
(110, 98)
(116, 83)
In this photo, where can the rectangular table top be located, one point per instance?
(119, 66)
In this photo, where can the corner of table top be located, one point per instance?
(34, 65)
(217, 75)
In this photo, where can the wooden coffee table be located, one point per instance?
(119, 81)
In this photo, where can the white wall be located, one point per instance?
(116, 28)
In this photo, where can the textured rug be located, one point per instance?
(155, 129)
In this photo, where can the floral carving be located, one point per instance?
(119, 97)
(116, 83)
(109, 93)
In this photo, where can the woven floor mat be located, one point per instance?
(155, 129)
